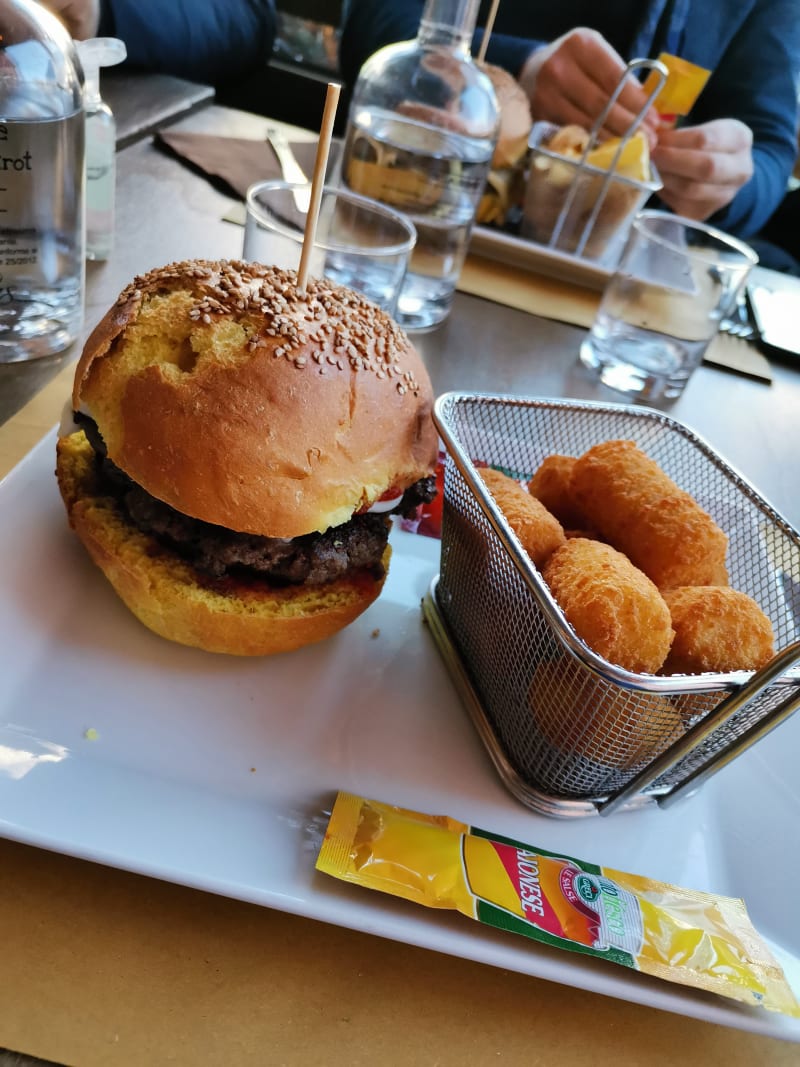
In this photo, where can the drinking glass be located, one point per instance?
(676, 280)
(359, 242)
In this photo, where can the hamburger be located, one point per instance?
(505, 184)
(237, 450)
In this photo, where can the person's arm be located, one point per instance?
(571, 81)
(755, 81)
(211, 41)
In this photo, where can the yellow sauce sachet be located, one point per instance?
(685, 81)
(682, 935)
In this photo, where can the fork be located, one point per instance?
(739, 323)
(291, 169)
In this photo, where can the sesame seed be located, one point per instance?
(341, 325)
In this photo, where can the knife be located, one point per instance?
(290, 168)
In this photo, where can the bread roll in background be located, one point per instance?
(716, 629)
(640, 511)
(539, 532)
(505, 183)
(515, 117)
(610, 604)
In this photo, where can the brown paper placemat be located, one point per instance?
(572, 304)
(236, 162)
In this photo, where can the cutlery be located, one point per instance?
(739, 324)
(290, 168)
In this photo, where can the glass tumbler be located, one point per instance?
(359, 243)
(676, 281)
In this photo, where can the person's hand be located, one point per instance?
(703, 167)
(571, 80)
(81, 17)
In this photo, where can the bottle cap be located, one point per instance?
(95, 53)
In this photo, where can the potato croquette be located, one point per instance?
(539, 532)
(551, 485)
(717, 629)
(612, 605)
(640, 511)
(615, 728)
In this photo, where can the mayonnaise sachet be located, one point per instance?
(677, 96)
(682, 935)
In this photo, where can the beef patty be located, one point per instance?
(314, 559)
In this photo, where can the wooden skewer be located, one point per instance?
(317, 182)
(487, 33)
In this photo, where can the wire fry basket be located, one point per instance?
(581, 209)
(569, 732)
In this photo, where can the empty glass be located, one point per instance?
(359, 242)
(677, 279)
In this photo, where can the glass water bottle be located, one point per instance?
(421, 131)
(41, 184)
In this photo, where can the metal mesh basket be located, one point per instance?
(570, 732)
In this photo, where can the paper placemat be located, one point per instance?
(572, 304)
(236, 162)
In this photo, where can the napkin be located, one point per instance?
(234, 163)
(565, 302)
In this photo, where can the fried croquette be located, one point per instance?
(612, 605)
(716, 629)
(539, 532)
(613, 727)
(551, 485)
(645, 515)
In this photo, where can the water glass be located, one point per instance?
(676, 281)
(359, 242)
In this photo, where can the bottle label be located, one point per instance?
(41, 179)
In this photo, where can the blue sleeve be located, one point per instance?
(756, 81)
(209, 41)
(371, 24)
(508, 52)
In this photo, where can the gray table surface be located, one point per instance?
(166, 212)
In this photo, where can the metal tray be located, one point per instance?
(538, 259)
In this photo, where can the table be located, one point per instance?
(142, 103)
(276, 988)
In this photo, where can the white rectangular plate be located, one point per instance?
(216, 772)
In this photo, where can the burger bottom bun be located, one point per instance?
(172, 599)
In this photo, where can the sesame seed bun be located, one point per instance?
(227, 395)
(515, 118)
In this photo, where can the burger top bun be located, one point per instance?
(515, 118)
(224, 392)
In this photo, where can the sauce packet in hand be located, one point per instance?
(681, 935)
(685, 81)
